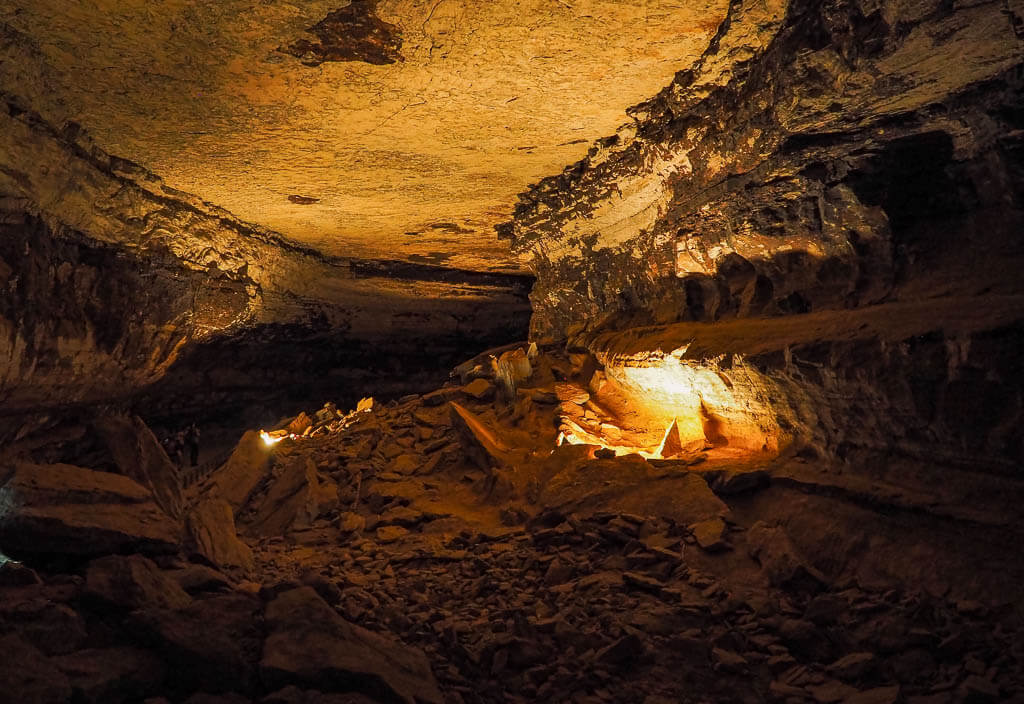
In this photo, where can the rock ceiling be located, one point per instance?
(399, 129)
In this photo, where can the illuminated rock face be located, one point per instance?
(820, 159)
(113, 282)
(393, 129)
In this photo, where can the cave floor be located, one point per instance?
(787, 580)
(466, 556)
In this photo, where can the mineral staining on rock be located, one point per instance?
(351, 33)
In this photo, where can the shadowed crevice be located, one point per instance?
(351, 33)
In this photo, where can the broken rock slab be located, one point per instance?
(247, 466)
(138, 454)
(291, 502)
(309, 645)
(133, 582)
(626, 484)
(28, 676)
(213, 644)
(107, 675)
(211, 534)
(710, 535)
(67, 510)
(480, 443)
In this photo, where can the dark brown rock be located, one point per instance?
(248, 465)
(310, 645)
(111, 675)
(139, 455)
(133, 582)
(291, 502)
(27, 676)
(211, 530)
(69, 510)
(211, 645)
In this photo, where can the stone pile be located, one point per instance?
(441, 548)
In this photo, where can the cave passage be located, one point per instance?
(383, 352)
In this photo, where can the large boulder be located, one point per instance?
(627, 484)
(247, 466)
(211, 645)
(28, 676)
(210, 528)
(61, 509)
(309, 645)
(111, 675)
(133, 582)
(138, 455)
(292, 502)
(40, 615)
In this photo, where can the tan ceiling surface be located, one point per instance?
(414, 160)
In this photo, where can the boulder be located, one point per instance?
(111, 675)
(480, 443)
(61, 509)
(248, 465)
(710, 535)
(211, 645)
(211, 534)
(41, 618)
(309, 645)
(480, 389)
(28, 676)
(626, 484)
(294, 695)
(196, 578)
(133, 582)
(683, 437)
(292, 501)
(300, 424)
(780, 559)
(138, 455)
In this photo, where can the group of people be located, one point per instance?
(184, 443)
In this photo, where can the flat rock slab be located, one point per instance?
(133, 582)
(248, 465)
(103, 675)
(211, 530)
(212, 645)
(28, 676)
(628, 484)
(67, 510)
(138, 455)
(309, 645)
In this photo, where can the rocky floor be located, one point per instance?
(442, 549)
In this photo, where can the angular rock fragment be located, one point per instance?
(480, 442)
(61, 509)
(133, 582)
(112, 675)
(292, 501)
(710, 535)
(248, 465)
(480, 389)
(42, 621)
(211, 533)
(140, 456)
(309, 645)
(212, 645)
(27, 676)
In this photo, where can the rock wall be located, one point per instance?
(820, 157)
(111, 280)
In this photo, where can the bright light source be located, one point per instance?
(271, 440)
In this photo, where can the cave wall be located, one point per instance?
(114, 282)
(821, 157)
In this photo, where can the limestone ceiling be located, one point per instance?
(399, 129)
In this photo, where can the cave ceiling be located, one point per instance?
(399, 129)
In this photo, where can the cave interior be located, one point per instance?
(441, 352)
